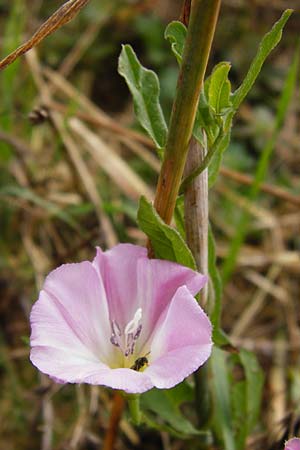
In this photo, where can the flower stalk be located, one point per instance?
(204, 14)
(196, 220)
(134, 408)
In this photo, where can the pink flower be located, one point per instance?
(292, 444)
(123, 321)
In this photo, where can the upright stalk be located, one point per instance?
(203, 19)
(196, 228)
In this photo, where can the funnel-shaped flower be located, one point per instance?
(292, 444)
(124, 321)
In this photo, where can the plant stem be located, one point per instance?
(196, 211)
(195, 188)
(115, 417)
(203, 161)
(196, 228)
(134, 408)
(204, 14)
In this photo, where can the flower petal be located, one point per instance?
(292, 444)
(118, 269)
(70, 368)
(158, 281)
(71, 313)
(132, 280)
(181, 343)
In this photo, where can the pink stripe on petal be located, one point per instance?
(118, 268)
(292, 444)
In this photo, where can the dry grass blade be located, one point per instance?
(74, 155)
(62, 16)
(87, 180)
(268, 188)
(117, 169)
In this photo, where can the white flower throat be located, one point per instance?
(126, 341)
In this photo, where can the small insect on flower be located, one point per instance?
(98, 322)
(140, 363)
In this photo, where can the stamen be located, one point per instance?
(116, 334)
(138, 332)
(126, 342)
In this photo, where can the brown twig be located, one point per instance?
(62, 16)
(115, 417)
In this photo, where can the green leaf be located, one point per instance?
(255, 380)
(216, 161)
(165, 403)
(246, 397)
(51, 208)
(179, 216)
(144, 87)
(216, 282)
(222, 419)
(219, 89)
(176, 34)
(166, 241)
(262, 169)
(269, 41)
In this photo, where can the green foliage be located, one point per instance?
(166, 404)
(236, 403)
(222, 419)
(215, 296)
(217, 106)
(28, 194)
(219, 89)
(268, 43)
(262, 168)
(166, 241)
(11, 39)
(176, 34)
(144, 87)
(246, 397)
(179, 216)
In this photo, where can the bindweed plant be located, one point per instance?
(234, 406)
(129, 320)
